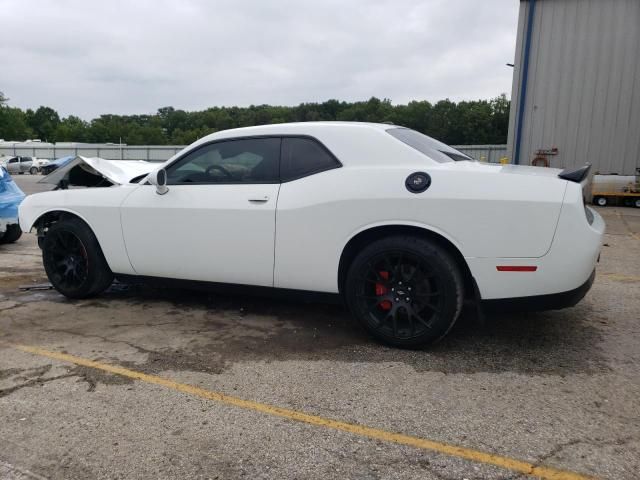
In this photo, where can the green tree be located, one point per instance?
(465, 122)
(71, 129)
(13, 122)
(44, 122)
(500, 107)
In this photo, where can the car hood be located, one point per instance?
(59, 162)
(10, 195)
(117, 172)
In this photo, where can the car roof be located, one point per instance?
(293, 128)
(353, 143)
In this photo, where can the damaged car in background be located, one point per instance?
(401, 227)
(10, 198)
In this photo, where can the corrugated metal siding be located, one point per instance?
(583, 94)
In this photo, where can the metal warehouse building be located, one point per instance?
(576, 85)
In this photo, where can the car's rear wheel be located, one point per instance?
(74, 261)
(12, 234)
(636, 203)
(406, 291)
(600, 201)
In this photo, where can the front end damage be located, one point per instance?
(10, 198)
(97, 172)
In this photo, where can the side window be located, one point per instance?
(14, 160)
(302, 157)
(251, 160)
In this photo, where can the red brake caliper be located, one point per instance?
(382, 290)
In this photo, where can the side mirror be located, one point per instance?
(159, 179)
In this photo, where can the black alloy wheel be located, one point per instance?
(406, 291)
(69, 262)
(74, 261)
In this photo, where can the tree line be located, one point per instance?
(455, 123)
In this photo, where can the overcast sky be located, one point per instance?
(91, 57)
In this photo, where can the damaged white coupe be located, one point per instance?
(400, 226)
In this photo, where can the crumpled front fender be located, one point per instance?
(10, 199)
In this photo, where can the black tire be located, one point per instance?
(636, 203)
(33, 170)
(74, 261)
(409, 306)
(600, 201)
(12, 234)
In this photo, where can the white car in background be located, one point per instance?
(18, 164)
(401, 226)
(38, 163)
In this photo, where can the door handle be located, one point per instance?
(258, 199)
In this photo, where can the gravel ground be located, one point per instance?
(557, 388)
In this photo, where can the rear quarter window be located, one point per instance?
(303, 156)
(432, 148)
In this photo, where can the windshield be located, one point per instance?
(430, 147)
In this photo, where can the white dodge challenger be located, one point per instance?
(401, 226)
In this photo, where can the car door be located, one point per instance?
(310, 214)
(13, 165)
(217, 221)
(25, 164)
(22, 164)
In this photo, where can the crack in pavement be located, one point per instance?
(33, 382)
(11, 307)
(90, 376)
(103, 338)
(10, 471)
(119, 325)
(570, 443)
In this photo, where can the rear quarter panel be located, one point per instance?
(484, 213)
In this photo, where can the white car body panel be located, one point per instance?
(492, 214)
(98, 207)
(195, 232)
(305, 212)
(40, 162)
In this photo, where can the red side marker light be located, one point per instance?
(517, 268)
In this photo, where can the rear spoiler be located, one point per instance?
(575, 174)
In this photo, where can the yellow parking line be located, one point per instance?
(547, 473)
(620, 278)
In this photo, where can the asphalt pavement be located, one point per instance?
(158, 383)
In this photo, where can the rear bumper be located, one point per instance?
(567, 267)
(554, 301)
